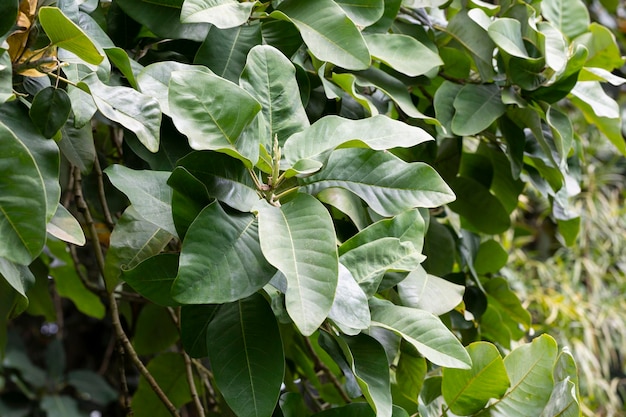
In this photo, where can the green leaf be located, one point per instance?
(386, 183)
(147, 191)
(529, 368)
(224, 51)
(212, 112)
(67, 35)
(194, 321)
(564, 398)
(222, 13)
(429, 292)
(476, 108)
(507, 35)
(387, 19)
(22, 201)
(221, 260)
(246, 354)
(378, 132)
(569, 16)
(154, 80)
(77, 145)
(8, 15)
(127, 67)
(133, 240)
(403, 53)
(348, 203)
(135, 111)
(349, 310)
(270, 78)
(357, 410)
(153, 278)
(60, 406)
(64, 226)
(6, 73)
(225, 179)
(92, 386)
(603, 49)
(363, 12)
(410, 372)
(369, 364)
(298, 238)
(491, 219)
(50, 110)
(443, 103)
(467, 391)
(152, 320)
(328, 32)
(162, 17)
(168, 369)
(476, 40)
(491, 257)
(424, 331)
(18, 277)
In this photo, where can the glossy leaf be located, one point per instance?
(168, 370)
(476, 108)
(224, 178)
(221, 259)
(369, 364)
(327, 31)
(224, 51)
(349, 310)
(223, 14)
(298, 238)
(147, 191)
(424, 331)
(135, 111)
(564, 399)
(67, 35)
(363, 12)
(387, 184)
(133, 240)
(429, 292)
(569, 16)
(246, 354)
(270, 78)
(64, 226)
(529, 368)
(22, 201)
(403, 53)
(330, 132)
(467, 391)
(212, 112)
(49, 110)
(153, 278)
(19, 277)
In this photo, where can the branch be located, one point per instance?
(322, 366)
(81, 203)
(102, 195)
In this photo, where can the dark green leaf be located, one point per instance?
(491, 257)
(246, 354)
(60, 406)
(476, 40)
(8, 15)
(77, 145)
(91, 386)
(194, 321)
(50, 110)
(298, 238)
(221, 259)
(154, 320)
(153, 278)
(476, 108)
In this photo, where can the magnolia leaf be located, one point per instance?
(221, 260)
(569, 16)
(270, 78)
(222, 13)
(135, 111)
(349, 310)
(298, 238)
(194, 322)
(403, 53)
(64, 226)
(153, 278)
(328, 32)
(330, 132)
(348, 203)
(476, 108)
(507, 35)
(363, 12)
(386, 183)
(428, 292)
(68, 35)
(77, 145)
(476, 40)
(246, 355)
(424, 331)
(224, 51)
(529, 368)
(212, 112)
(50, 110)
(467, 391)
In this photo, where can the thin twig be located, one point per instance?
(192, 385)
(102, 195)
(125, 392)
(117, 324)
(322, 366)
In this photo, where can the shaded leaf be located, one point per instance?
(60, 406)
(77, 145)
(246, 354)
(298, 238)
(194, 321)
(50, 110)
(91, 386)
(153, 278)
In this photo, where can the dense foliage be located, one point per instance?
(293, 207)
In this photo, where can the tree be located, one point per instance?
(302, 203)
